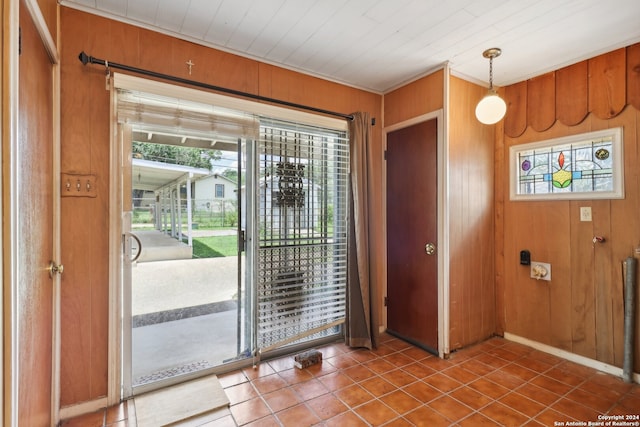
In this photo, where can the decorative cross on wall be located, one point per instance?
(190, 64)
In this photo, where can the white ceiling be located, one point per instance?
(380, 44)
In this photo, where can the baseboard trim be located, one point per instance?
(83, 408)
(572, 357)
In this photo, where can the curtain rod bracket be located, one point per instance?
(88, 59)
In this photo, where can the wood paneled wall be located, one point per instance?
(603, 86)
(471, 218)
(85, 150)
(414, 99)
(470, 195)
(581, 309)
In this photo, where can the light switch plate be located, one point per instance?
(73, 185)
(585, 213)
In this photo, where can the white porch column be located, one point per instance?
(172, 211)
(157, 206)
(179, 213)
(164, 204)
(189, 212)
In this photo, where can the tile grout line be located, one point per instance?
(391, 351)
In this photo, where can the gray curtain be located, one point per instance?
(358, 332)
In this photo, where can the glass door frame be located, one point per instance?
(245, 229)
(247, 152)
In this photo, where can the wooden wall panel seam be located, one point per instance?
(515, 121)
(541, 108)
(607, 84)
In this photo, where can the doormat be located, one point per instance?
(180, 402)
(171, 372)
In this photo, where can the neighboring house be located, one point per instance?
(214, 193)
(274, 212)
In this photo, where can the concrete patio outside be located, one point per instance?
(185, 311)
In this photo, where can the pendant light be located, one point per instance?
(491, 108)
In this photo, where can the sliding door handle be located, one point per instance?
(139, 244)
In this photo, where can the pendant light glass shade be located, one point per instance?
(491, 109)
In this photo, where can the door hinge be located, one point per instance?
(19, 40)
(385, 154)
(386, 301)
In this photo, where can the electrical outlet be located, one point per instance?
(540, 270)
(585, 213)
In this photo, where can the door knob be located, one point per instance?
(55, 269)
(430, 248)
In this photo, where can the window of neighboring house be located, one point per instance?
(219, 191)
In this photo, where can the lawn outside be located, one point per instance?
(215, 246)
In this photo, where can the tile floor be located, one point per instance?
(497, 382)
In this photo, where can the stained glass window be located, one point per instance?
(586, 166)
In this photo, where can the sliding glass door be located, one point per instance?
(187, 260)
(234, 236)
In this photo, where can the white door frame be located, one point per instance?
(115, 381)
(8, 199)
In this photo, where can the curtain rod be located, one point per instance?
(87, 59)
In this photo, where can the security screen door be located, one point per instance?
(302, 241)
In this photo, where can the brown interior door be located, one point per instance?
(412, 261)
(35, 226)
